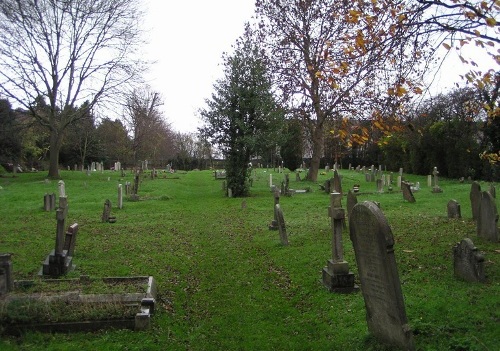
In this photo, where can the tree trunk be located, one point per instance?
(55, 146)
(317, 148)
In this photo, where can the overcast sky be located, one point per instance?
(187, 39)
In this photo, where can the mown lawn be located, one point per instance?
(224, 280)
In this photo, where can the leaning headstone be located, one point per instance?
(374, 249)
(106, 213)
(454, 209)
(468, 262)
(407, 193)
(336, 275)
(70, 240)
(6, 279)
(281, 225)
(475, 199)
(487, 223)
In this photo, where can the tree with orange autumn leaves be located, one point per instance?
(341, 59)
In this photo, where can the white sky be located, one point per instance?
(187, 39)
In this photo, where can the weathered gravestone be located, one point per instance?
(374, 249)
(106, 213)
(453, 208)
(6, 280)
(120, 196)
(274, 222)
(336, 275)
(475, 199)
(49, 202)
(468, 262)
(487, 223)
(436, 188)
(407, 193)
(59, 261)
(281, 224)
(351, 201)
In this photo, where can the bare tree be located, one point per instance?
(67, 52)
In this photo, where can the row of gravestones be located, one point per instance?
(373, 245)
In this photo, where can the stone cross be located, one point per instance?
(436, 188)
(336, 276)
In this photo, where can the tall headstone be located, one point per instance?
(436, 188)
(475, 199)
(487, 223)
(374, 249)
(380, 186)
(468, 262)
(400, 181)
(337, 183)
(336, 275)
(429, 180)
(454, 209)
(120, 196)
(62, 188)
(70, 240)
(6, 279)
(281, 225)
(276, 196)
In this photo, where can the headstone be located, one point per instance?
(106, 213)
(429, 180)
(454, 209)
(401, 172)
(70, 240)
(62, 190)
(276, 196)
(492, 191)
(120, 196)
(475, 199)
(436, 188)
(468, 262)
(49, 202)
(400, 181)
(380, 186)
(374, 250)
(336, 275)
(6, 279)
(487, 223)
(351, 201)
(407, 193)
(337, 183)
(281, 225)
(297, 176)
(270, 180)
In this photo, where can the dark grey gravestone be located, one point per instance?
(487, 223)
(106, 212)
(70, 240)
(6, 280)
(468, 262)
(475, 199)
(407, 193)
(351, 201)
(49, 202)
(374, 248)
(454, 209)
(281, 225)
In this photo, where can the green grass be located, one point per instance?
(225, 282)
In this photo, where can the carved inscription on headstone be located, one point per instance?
(373, 245)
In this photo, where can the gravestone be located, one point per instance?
(454, 209)
(281, 225)
(274, 222)
(436, 188)
(336, 275)
(70, 239)
(49, 202)
(407, 193)
(475, 199)
(429, 180)
(374, 249)
(400, 181)
(380, 186)
(337, 182)
(468, 262)
(59, 262)
(487, 223)
(492, 191)
(351, 201)
(120, 196)
(6, 280)
(106, 213)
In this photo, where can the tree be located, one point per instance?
(10, 141)
(113, 142)
(67, 52)
(146, 123)
(241, 109)
(336, 58)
